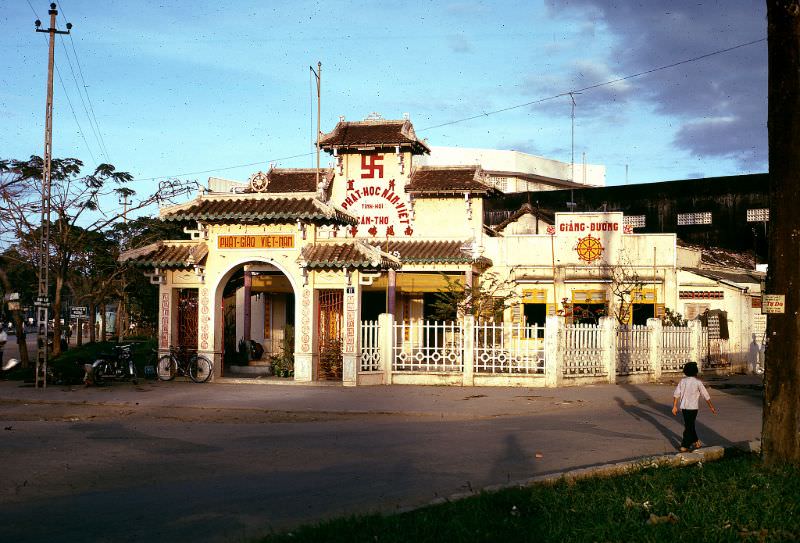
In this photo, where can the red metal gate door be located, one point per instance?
(331, 304)
(187, 318)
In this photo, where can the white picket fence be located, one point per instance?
(370, 347)
(633, 350)
(476, 352)
(583, 351)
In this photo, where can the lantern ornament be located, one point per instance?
(589, 249)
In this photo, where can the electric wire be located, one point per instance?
(85, 87)
(66, 95)
(222, 169)
(83, 102)
(596, 85)
(530, 103)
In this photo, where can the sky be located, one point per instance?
(197, 89)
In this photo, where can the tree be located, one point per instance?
(79, 205)
(15, 274)
(487, 298)
(625, 280)
(780, 442)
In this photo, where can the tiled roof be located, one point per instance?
(351, 254)
(167, 254)
(373, 133)
(525, 210)
(741, 277)
(258, 208)
(283, 180)
(433, 252)
(447, 180)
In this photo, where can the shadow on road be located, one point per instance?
(656, 414)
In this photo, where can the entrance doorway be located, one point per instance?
(258, 323)
(331, 305)
(187, 319)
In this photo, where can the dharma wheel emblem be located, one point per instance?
(589, 249)
(258, 182)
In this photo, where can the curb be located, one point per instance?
(706, 454)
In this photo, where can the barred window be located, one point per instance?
(634, 221)
(685, 219)
(758, 215)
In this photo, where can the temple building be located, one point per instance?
(305, 263)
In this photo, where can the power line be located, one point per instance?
(223, 169)
(86, 91)
(83, 102)
(597, 85)
(66, 95)
(509, 108)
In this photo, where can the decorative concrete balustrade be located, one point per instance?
(478, 353)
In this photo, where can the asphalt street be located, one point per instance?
(227, 462)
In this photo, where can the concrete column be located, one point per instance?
(246, 308)
(351, 349)
(305, 344)
(468, 332)
(608, 334)
(696, 351)
(655, 329)
(554, 350)
(165, 305)
(391, 291)
(386, 345)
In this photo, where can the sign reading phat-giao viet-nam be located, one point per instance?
(274, 241)
(773, 303)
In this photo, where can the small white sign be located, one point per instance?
(773, 303)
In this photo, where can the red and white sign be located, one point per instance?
(381, 205)
(773, 303)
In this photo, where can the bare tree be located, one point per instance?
(625, 281)
(780, 439)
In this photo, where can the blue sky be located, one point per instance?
(183, 87)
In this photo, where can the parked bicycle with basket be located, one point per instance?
(181, 361)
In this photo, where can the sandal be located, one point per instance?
(684, 449)
(697, 444)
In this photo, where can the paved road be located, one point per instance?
(225, 462)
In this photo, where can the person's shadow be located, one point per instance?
(653, 412)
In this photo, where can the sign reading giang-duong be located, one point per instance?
(588, 238)
(272, 241)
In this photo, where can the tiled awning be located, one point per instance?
(350, 254)
(167, 254)
(434, 252)
(258, 208)
(448, 180)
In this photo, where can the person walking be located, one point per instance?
(688, 393)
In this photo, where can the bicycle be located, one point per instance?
(184, 362)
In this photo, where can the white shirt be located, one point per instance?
(689, 391)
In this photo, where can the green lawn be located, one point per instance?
(734, 499)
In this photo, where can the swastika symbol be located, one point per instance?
(370, 164)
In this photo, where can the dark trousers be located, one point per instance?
(689, 433)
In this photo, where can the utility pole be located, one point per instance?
(43, 298)
(318, 75)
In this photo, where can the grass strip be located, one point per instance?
(735, 499)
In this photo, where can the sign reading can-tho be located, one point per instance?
(588, 238)
(273, 241)
(376, 196)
